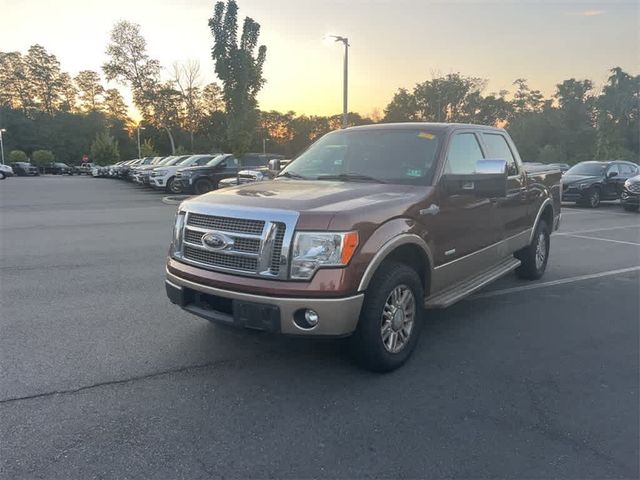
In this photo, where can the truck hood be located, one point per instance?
(321, 204)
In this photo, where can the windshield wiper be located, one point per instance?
(292, 175)
(350, 177)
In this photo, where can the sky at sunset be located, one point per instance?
(395, 43)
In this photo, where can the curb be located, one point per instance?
(175, 199)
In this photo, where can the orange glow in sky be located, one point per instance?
(394, 43)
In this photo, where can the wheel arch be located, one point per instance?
(406, 248)
(546, 213)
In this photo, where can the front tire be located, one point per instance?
(630, 208)
(592, 199)
(534, 257)
(203, 186)
(173, 186)
(390, 319)
(2, 176)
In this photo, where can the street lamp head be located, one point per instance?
(337, 38)
(3, 130)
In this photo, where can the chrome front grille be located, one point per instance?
(277, 248)
(255, 246)
(235, 225)
(222, 260)
(634, 188)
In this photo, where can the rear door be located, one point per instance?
(512, 210)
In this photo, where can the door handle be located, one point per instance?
(432, 209)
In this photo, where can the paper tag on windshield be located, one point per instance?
(427, 135)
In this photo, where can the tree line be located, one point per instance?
(45, 109)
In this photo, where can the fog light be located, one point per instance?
(306, 319)
(311, 317)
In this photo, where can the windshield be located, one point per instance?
(592, 169)
(405, 156)
(217, 159)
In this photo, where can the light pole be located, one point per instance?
(139, 153)
(345, 86)
(264, 145)
(2, 130)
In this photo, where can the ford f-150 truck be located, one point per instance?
(363, 232)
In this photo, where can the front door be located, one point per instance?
(461, 224)
(610, 186)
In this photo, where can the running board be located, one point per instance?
(461, 289)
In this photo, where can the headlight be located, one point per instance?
(160, 172)
(314, 250)
(186, 173)
(582, 186)
(627, 184)
(178, 226)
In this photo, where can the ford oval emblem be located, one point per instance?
(216, 241)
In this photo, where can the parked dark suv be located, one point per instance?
(205, 178)
(630, 197)
(22, 169)
(589, 182)
(57, 168)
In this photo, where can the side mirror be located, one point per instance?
(612, 174)
(274, 164)
(488, 180)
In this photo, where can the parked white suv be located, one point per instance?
(163, 176)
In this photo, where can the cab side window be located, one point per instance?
(498, 149)
(229, 162)
(464, 152)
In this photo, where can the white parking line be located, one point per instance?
(562, 281)
(598, 230)
(590, 212)
(598, 238)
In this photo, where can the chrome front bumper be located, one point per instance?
(338, 316)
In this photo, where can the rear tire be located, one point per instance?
(534, 257)
(203, 185)
(390, 320)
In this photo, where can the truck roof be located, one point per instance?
(433, 126)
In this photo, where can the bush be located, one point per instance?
(43, 157)
(104, 149)
(17, 156)
(147, 149)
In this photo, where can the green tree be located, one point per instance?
(402, 107)
(240, 70)
(15, 89)
(42, 157)
(114, 106)
(618, 117)
(130, 63)
(104, 149)
(17, 156)
(68, 94)
(90, 90)
(147, 149)
(43, 74)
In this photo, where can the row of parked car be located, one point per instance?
(26, 169)
(194, 174)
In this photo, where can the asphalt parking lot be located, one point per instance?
(101, 377)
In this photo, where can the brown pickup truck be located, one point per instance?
(363, 232)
